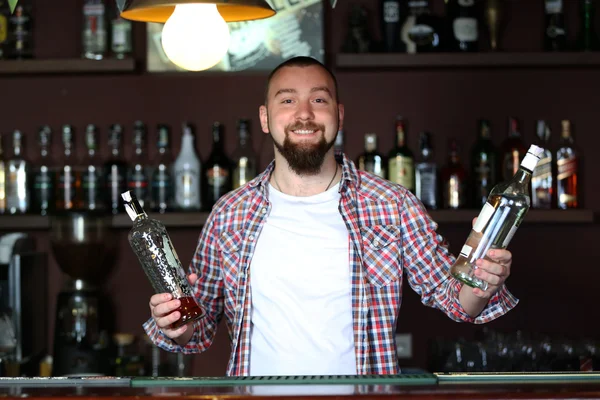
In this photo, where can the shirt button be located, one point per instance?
(376, 243)
(264, 210)
(251, 237)
(238, 307)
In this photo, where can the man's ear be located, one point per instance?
(264, 118)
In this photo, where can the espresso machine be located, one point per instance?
(84, 248)
(23, 305)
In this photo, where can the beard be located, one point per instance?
(303, 158)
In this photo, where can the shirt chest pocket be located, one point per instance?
(230, 244)
(381, 253)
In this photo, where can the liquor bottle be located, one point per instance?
(121, 42)
(588, 37)
(42, 195)
(137, 173)
(464, 25)
(426, 181)
(371, 160)
(4, 29)
(3, 173)
(567, 187)
(18, 196)
(497, 222)
(244, 157)
(422, 32)
(20, 33)
(555, 37)
(162, 178)
(513, 150)
(392, 16)
(484, 165)
(155, 251)
(338, 146)
(94, 33)
(115, 170)
(401, 161)
(69, 194)
(93, 174)
(188, 171)
(217, 171)
(542, 188)
(454, 180)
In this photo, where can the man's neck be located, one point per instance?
(284, 179)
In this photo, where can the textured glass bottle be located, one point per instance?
(498, 220)
(153, 247)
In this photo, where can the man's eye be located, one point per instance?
(320, 101)
(287, 101)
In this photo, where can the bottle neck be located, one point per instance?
(523, 176)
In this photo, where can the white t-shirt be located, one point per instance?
(301, 289)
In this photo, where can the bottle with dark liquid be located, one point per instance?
(338, 146)
(137, 174)
(42, 197)
(426, 182)
(464, 24)
(244, 157)
(497, 222)
(555, 36)
(588, 37)
(93, 174)
(20, 33)
(392, 16)
(401, 161)
(162, 178)
(542, 188)
(567, 170)
(422, 32)
(513, 150)
(371, 160)
(115, 169)
(68, 188)
(454, 180)
(153, 247)
(217, 172)
(484, 165)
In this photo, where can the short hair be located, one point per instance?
(301, 61)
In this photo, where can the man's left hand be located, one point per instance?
(494, 269)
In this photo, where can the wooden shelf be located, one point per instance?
(469, 60)
(197, 219)
(65, 66)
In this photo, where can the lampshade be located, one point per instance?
(230, 10)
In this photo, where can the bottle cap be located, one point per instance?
(532, 157)
(132, 206)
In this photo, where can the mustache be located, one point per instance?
(307, 126)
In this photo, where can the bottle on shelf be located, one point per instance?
(484, 165)
(401, 161)
(542, 187)
(393, 14)
(43, 171)
(497, 222)
(68, 188)
(426, 180)
(454, 179)
(4, 29)
(587, 39)
(154, 249)
(18, 195)
(162, 178)
(555, 36)
(3, 173)
(93, 173)
(464, 25)
(20, 33)
(422, 32)
(137, 171)
(188, 171)
(94, 33)
(115, 170)
(513, 150)
(120, 28)
(371, 160)
(217, 169)
(567, 163)
(244, 156)
(338, 146)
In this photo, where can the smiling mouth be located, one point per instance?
(305, 131)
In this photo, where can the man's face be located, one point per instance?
(302, 116)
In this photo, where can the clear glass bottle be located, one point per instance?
(137, 173)
(115, 169)
(187, 170)
(94, 33)
(162, 178)
(42, 196)
(68, 187)
(567, 163)
(2, 178)
(120, 43)
(153, 247)
(18, 196)
(93, 174)
(498, 220)
(338, 146)
(542, 188)
(426, 182)
(244, 157)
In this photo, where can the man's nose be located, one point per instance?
(304, 111)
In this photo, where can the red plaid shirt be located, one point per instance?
(391, 236)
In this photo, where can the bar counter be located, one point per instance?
(581, 385)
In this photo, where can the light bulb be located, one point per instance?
(195, 37)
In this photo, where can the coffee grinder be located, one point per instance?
(84, 248)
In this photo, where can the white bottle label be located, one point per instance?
(466, 3)
(465, 29)
(391, 11)
(484, 216)
(554, 6)
(466, 251)
(187, 189)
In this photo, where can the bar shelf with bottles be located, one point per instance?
(106, 42)
(469, 34)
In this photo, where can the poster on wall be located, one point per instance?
(296, 30)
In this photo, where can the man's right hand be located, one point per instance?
(162, 306)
